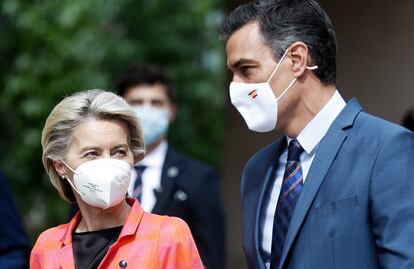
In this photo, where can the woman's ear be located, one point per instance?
(60, 168)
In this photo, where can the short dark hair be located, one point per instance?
(283, 22)
(145, 74)
(408, 120)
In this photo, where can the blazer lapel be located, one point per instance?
(170, 170)
(65, 255)
(327, 151)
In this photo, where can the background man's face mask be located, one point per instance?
(154, 122)
(257, 103)
(101, 183)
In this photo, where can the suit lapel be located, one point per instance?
(270, 162)
(170, 170)
(325, 155)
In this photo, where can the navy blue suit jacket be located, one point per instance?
(356, 209)
(190, 191)
(14, 246)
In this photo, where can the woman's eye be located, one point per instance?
(91, 154)
(121, 152)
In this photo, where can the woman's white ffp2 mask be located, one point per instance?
(102, 182)
(257, 103)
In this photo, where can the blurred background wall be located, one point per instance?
(49, 49)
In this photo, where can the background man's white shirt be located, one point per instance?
(151, 177)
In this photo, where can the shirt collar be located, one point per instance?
(316, 129)
(156, 157)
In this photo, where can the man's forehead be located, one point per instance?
(245, 44)
(147, 90)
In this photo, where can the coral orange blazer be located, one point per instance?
(146, 241)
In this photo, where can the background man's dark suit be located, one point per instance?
(189, 191)
(14, 246)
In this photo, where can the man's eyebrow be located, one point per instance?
(240, 62)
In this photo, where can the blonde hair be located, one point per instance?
(75, 109)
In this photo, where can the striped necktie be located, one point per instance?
(139, 169)
(291, 187)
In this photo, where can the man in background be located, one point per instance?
(14, 246)
(167, 182)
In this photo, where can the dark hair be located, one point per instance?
(408, 120)
(283, 22)
(147, 74)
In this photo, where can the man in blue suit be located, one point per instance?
(337, 190)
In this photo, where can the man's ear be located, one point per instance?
(60, 168)
(173, 113)
(299, 55)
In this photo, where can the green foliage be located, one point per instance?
(51, 48)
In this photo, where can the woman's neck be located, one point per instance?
(95, 219)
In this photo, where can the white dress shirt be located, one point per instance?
(151, 177)
(309, 139)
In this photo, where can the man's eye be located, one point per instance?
(136, 102)
(157, 103)
(245, 70)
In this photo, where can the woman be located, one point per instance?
(91, 140)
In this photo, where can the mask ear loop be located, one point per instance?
(311, 67)
(293, 81)
(288, 87)
(71, 184)
(277, 66)
(280, 62)
(74, 172)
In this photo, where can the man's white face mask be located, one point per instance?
(257, 103)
